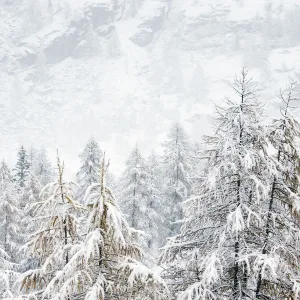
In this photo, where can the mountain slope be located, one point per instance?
(123, 70)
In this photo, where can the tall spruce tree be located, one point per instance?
(58, 231)
(90, 166)
(9, 242)
(105, 264)
(6, 269)
(277, 267)
(198, 164)
(176, 168)
(41, 167)
(5, 174)
(213, 256)
(154, 228)
(10, 213)
(29, 198)
(22, 167)
(134, 194)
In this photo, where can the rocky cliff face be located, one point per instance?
(122, 70)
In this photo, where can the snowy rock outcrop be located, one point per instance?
(150, 21)
(122, 67)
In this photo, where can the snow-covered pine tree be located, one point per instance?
(214, 254)
(90, 166)
(9, 232)
(5, 174)
(22, 167)
(176, 168)
(28, 199)
(6, 268)
(32, 153)
(198, 163)
(134, 194)
(57, 233)
(31, 194)
(41, 167)
(111, 180)
(154, 228)
(277, 266)
(105, 264)
(10, 213)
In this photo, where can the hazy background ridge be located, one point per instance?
(122, 71)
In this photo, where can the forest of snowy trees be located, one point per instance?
(215, 220)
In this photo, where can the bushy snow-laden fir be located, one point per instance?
(90, 166)
(22, 167)
(57, 233)
(134, 195)
(277, 265)
(104, 264)
(197, 164)
(41, 167)
(29, 197)
(142, 200)
(176, 167)
(219, 248)
(155, 227)
(5, 174)
(9, 232)
(6, 273)
(10, 213)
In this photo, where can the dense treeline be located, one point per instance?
(216, 221)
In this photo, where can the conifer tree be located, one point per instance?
(29, 198)
(213, 256)
(155, 230)
(41, 167)
(5, 174)
(276, 267)
(112, 180)
(134, 194)
(31, 194)
(176, 168)
(105, 264)
(58, 231)
(90, 166)
(198, 162)
(10, 213)
(6, 268)
(22, 168)
(32, 153)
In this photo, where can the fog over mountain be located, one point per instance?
(123, 70)
(149, 149)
